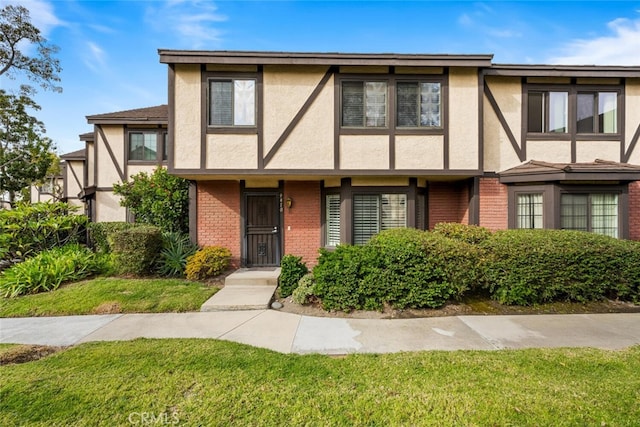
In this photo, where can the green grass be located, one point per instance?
(208, 382)
(111, 295)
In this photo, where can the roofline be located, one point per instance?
(128, 121)
(545, 70)
(168, 56)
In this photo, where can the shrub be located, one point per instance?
(29, 229)
(135, 249)
(304, 290)
(467, 233)
(49, 269)
(401, 267)
(100, 234)
(291, 271)
(535, 266)
(158, 199)
(176, 248)
(207, 262)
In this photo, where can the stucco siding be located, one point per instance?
(463, 118)
(232, 151)
(310, 145)
(108, 207)
(364, 152)
(632, 117)
(549, 151)
(419, 152)
(187, 116)
(107, 170)
(588, 151)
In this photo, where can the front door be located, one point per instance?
(262, 230)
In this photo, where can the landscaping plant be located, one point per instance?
(207, 262)
(136, 249)
(49, 269)
(291, 271)
(176, 249)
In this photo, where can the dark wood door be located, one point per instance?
(262, 230)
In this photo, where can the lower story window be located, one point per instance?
(529, 211)
(597, 213)
(373, 213)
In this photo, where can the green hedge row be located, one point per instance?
(407, 268)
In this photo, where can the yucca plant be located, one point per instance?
(176, 248)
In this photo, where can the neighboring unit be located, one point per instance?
(290, 152)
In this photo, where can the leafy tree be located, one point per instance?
(16, 32)
(158, 199)
(25, 153)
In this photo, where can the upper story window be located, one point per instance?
(597, 112)
(418, 104)
(148, 146)
(364, 104)
(232, 102)
(548, 112)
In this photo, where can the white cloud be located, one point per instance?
(476, 21)
(95, 57)
(622, 47)
(191, 21)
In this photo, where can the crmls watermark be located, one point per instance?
(149, 418)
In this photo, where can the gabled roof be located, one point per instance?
(75, 155)
(535, 170)
(158, 114)
(168, 56)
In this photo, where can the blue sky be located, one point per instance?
(110, 61)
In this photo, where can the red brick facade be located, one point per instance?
(219, 216)
(302, 226)
(634, 210)
(494, 208)
(448, 202)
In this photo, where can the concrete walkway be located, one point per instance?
(245, 289)
(292, 333)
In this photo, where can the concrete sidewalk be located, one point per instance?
(292, 333)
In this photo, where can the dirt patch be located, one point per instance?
(469, 306)
(108, 307)
(27, 353)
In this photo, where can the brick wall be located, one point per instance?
(634, 210)
(448, 202)
(493, 204)
(302, 226)
(219, 216)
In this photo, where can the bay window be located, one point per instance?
(595, 212)
(529, 210)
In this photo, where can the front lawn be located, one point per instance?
(111, 295)
(209, 382)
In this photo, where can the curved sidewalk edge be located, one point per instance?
(292, 333)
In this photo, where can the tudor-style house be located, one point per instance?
(122, 144)
(290, 152)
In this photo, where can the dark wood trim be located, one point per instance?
(243, 228)
(110, 151)
(329, 172)
(337, 119)
(346, 211)
(444, 110)
(391, 94)
(632, 145)
(503, 122)
(159, 131)
(411, 202)
(604, 177)
(260, 116)
(298, 117)
(204, 115)
(171, 90)
(548, 216)
(622, 120)
(474, 201)
(481, 85)
(193, 211)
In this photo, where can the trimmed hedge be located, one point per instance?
(536, 266)
(467, 233)
(100, 234)
(136, 249)
(291, 271)
(405, 268)
(207, 262)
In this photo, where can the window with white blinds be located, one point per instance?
(333, 220)
(373, 213)
(232, 102)
(364, 104)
